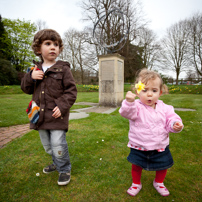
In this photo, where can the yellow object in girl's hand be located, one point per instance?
(139, 86)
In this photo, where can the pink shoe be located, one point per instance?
(134, 189)
(161, 188)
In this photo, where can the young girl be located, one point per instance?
(150, 123)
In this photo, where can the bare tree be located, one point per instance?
(70, 50)
(40, 24)
(111, 26)
(91, 51)
(195, 24)
(95, 9)
(190, 74)
(175, 55)
(79, 53)
(146, 39)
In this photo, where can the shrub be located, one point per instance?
(8, 75)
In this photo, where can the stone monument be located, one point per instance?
(111, 80)
(111, 65)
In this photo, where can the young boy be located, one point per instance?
(54, 91)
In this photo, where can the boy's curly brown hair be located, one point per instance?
(41, 36)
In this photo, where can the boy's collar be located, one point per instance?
(58, 63)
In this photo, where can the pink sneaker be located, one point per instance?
(161, 188)
(134, 189)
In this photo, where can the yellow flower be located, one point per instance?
(139, 86)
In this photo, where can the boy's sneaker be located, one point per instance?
(161, 188)
(49, 169)
(134, 189)
(64, 178)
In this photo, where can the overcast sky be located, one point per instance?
(164, 13)
(63, 14)
(58, 14)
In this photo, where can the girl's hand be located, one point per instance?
(57, 112)
(37, 74)
(130, 97)
(177, 126)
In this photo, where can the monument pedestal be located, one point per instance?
(111, 80)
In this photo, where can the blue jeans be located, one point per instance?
(55, 144)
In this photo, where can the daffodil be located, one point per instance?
(139, 86)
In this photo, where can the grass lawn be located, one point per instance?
(13, 106)
(98, 151)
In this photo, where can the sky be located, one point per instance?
(67, 14)
(60, 16)
(164, 13)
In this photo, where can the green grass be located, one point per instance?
(185, 89)
(98, 151)
(173, 89)
(4, 90)
(14, 89)
(13, 107)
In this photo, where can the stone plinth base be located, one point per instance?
(111, 80)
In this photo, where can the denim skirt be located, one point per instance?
(151, 160)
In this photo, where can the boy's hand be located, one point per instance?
(37, 74)
(177, 126)
(57, 112)
(130, 97)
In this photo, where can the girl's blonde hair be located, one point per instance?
(41, 36)
(145, 75)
